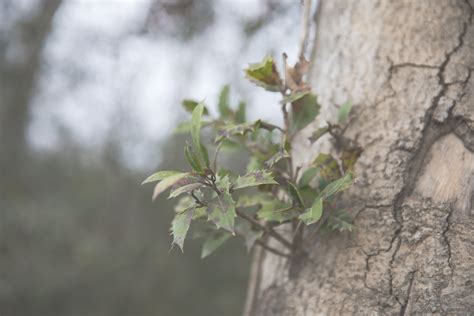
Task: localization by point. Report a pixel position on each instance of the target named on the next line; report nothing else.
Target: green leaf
(229, 145)
(183, 128)
(240, 114)
(254, 178)
(349, 157)
(317, 134)
(231, 130)
(264, 74)
(221, 211)
(294, 97)
(249, 234)
(308, 176)
(281, 154)
(186, 127)
(193, 159)
(340, 221)
(273, 210)
(223, 183)
(344, 111)
(190, 105)
(254, 164)
(167, 183)
(337, 186)
(204, 154)
(183, 204)
(213, 242)
(223, 106)
(329, 167)
(313, 214)
(304, 112)
(246, 201)
(184, 189)
(196, 125)
(295, 194)
(180, 226)
(160, 175)
(308, 194)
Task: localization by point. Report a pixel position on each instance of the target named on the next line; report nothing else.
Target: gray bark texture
(407, 67)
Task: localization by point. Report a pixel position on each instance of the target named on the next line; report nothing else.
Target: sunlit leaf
(344, 111)
(213, 242)
(160, 175)
(254, 178)
(313, 214)
(180, 226)
(264, 74)
(167, 183)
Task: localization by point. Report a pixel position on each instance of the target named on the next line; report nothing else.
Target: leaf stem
(197, 200)
(270, 231)
(271, 127)
(271, 249)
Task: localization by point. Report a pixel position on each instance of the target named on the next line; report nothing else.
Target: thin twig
(271, 127)
(271, 249)
(270, 231)
(197, 200)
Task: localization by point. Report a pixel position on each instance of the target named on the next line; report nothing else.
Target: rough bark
(407, 66)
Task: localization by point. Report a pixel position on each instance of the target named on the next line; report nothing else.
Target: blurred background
(90, 95)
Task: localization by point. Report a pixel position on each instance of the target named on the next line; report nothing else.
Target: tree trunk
(407, 67)
(20, 60)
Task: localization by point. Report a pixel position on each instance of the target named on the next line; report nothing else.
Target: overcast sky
(100, 70)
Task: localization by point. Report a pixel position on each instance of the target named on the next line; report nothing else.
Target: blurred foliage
(82, 238)
(78, 235)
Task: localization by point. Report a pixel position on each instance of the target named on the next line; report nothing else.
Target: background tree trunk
(21, 50)
(407, 67)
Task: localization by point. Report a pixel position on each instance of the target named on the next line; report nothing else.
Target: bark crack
(446, 240)
(431, 132)
(404, 305)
